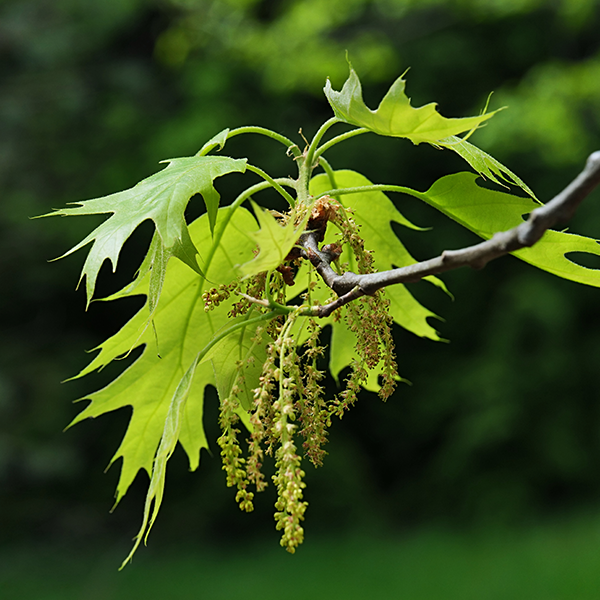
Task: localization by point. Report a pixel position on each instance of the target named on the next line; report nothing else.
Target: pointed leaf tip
(218, 141)
(487, 166)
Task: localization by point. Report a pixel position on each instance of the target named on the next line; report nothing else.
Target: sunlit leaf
(487, 166)
(273, 239)
(183, 328)
(395, 116)
(486, 212)
(161, 198)
(170, 437)
(239, 348)
(375, 213)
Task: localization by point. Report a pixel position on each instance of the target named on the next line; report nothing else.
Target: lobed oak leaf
(486, 212)
(395, 116)
(375, 213)
(161, 198)
(183, 329)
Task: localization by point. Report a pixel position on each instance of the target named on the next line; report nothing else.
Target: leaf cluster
(243, 304)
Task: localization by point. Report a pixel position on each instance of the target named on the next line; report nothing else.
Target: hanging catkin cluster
(290, 415)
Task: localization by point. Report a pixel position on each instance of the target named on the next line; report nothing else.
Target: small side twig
(326, 309)
(251, 299)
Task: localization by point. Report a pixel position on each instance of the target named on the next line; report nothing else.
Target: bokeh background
(480, 480)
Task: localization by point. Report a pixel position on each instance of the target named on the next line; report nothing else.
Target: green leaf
(375, 213)
(170, 437)
(239, 347)
(395, 116)
(161, 198)
(486, 212)
(226, 372)
(183, 329)
(273, 240)
(487, 166)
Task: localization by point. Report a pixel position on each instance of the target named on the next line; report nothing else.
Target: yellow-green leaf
(486, 212)
(240, 347)
(161, 198)
(183, 329)
(375, 213)
(395, 116)
(487, 166)
(170, 437)
(273, 239)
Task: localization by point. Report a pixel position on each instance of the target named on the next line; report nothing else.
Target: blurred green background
(481, 480)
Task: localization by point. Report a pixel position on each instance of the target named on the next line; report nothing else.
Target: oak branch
(351, 286)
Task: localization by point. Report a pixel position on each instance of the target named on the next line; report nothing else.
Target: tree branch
(351, 286)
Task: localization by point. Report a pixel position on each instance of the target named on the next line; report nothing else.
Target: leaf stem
(340, 138)
(306, 162)
(328, 170)
(375, 188)
(275, 183)
(264, 317)
(280, 309)
(310, 153)
(268, 295)
(293, 148)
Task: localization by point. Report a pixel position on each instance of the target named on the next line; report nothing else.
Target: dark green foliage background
(501, 425)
